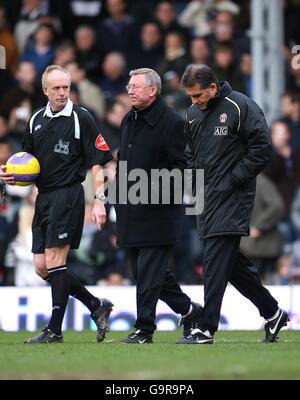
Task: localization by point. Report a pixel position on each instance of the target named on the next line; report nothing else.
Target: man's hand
(99, 214)
(255, 233)
(6, 177)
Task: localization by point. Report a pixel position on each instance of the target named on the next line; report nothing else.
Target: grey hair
(51, 68)
(151, 77)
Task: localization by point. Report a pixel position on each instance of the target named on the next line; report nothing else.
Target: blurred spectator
(89, 93)
(142, 11)
(246, 73)
(81, 261)
(123, 99)
(111, 260)
(225, 66)
(28, 21)
(26, 87)
(16, 105)
(3, 236)
(86, 9)
(117, 32)
(5, 153)
(12, 11)
(114, 78)
(263, 246)
(32, 14)
(224, 31)
(196, 251)
(19, 256)
(41, 50)
(14, 143)
(291, 22)
(6, 79)
(293, 77)
(165, 15)
(199, 51)
(74, 97)
(18, 118)
(74, 94)
(194, 17)
(6, 82)
(290, 107)
(78, 12)
(295, 212)
(174, 94)
(8, 41)
(110, 126)
(64, 53)
(5, 150)
(288, 268)
(97, 257)
(284, 171)
(3, 126)
(150, 50)
(227, 5)
(87, 54)
(176, 57)
(181, 260)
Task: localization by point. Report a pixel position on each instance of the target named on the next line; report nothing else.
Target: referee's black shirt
(66, 144)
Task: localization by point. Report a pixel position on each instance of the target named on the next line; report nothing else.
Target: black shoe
(46, 336)
(101, 316)
(189, 322)
(138, 337)
(197, 337)
(273, 327)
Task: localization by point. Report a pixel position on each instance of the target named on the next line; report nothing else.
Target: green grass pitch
(234, 355)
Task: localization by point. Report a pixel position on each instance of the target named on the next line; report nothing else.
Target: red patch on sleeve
(101, 144)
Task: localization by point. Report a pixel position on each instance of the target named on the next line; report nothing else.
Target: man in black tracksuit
(152, 138)
(227, 137)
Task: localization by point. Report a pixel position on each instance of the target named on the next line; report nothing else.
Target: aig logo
(2, 57)
(221, 131)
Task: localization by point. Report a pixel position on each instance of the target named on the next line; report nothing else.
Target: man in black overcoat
(149, 210)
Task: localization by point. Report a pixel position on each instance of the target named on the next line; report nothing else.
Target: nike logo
(276, 325)
(142, 341)
(190, 122)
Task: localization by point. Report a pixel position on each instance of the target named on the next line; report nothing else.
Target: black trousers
(154, 279)
(223, 263)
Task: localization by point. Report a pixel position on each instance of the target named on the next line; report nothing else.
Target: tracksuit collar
(223, 91)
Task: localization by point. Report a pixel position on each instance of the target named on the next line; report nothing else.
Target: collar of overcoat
(154, 113)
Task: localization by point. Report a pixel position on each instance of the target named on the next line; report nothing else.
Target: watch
(100, 196)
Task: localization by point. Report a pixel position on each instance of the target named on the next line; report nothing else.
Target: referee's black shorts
(58, 218)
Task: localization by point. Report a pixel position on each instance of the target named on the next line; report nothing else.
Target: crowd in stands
(99, 42)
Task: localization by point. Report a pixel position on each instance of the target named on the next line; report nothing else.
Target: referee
(65, 140)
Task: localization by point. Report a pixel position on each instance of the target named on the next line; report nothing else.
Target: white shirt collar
(66, 111)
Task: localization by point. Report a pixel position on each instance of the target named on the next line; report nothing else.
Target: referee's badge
(101, 144)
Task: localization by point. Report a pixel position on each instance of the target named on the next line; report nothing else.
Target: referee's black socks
(60, 288)
(77, 290)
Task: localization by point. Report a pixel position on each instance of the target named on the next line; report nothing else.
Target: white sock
(190, 310)
(275, 315)
(205, 333)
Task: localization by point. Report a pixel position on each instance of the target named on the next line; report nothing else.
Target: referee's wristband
(99, 196)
